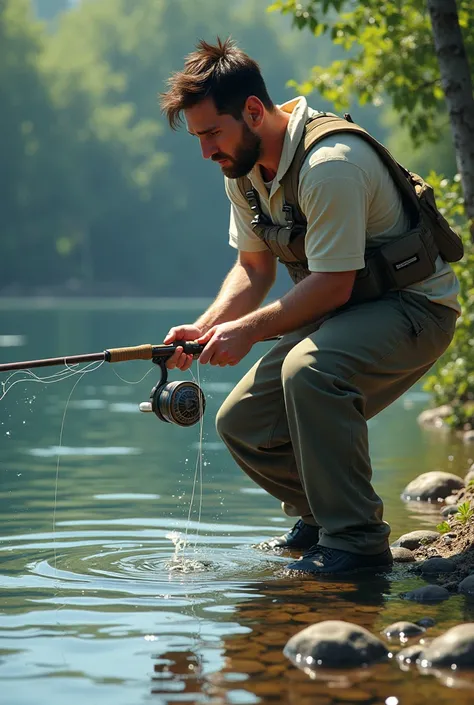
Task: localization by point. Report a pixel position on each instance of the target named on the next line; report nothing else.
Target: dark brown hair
(221, 72)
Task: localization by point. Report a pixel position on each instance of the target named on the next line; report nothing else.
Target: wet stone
(466, 586)
(414, 539)
(334, 644)
(427, 593)
(438, 565)
(454, 647)
(426, 622)
(410, 654)
(432, 486)
(402, 555)
(402, 630)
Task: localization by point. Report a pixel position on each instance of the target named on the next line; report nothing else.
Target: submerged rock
(414, 539)
(453, 648)
(426, 622)
(427, 593)
(334, 644)
(402, 630)
(432, 486)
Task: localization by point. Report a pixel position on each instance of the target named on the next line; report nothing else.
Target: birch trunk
(457, 86)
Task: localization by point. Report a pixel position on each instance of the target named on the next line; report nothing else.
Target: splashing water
(179, 563)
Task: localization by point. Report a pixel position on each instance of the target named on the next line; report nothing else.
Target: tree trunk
(457, 86)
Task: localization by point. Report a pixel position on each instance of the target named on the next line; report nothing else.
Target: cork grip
(139, 352)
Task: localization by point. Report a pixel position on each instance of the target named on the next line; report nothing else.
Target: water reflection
(92, 608)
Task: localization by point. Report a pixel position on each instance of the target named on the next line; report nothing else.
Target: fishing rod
(181, 403)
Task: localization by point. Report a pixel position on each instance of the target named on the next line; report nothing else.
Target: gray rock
(402, 555)
(427, 593)
(451, 500)
(432, 486)
(426, 622)
(414, 539)
(402, 630)
(469, 476)
(438, 565)
(434, 417)
(334, 644)
(449, 509)
(466, 586)
(454, 647)
(468, 436)
(410, 654)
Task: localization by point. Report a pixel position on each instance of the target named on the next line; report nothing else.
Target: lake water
(96, 499)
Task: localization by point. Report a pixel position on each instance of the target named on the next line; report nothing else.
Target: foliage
(389, 52)
(464, 513)
(452, 381)
(443, 528)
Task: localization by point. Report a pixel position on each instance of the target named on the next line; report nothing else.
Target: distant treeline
(98, 196)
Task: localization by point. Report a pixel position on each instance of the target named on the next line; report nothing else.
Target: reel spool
(181, 403)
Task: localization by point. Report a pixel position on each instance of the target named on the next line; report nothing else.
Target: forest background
(98, 196)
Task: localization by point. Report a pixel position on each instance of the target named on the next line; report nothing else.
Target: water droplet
(391, 700)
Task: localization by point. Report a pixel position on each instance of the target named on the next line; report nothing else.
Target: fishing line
(197, 470)
(48, 379)
(81, 373)
(128, 381)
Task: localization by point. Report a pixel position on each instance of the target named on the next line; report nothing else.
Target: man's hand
(179, 359)
(226, 344)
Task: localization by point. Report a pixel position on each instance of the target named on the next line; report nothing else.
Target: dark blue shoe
(321, 560)
(301, 536)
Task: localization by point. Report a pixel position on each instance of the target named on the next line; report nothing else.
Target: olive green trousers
(297, 421)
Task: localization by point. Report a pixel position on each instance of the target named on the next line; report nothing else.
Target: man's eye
(214, 133)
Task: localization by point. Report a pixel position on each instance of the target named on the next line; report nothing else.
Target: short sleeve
(335, 200)
(241, 234)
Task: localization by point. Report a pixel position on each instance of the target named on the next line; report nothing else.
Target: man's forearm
(309, 300)
(242, 291)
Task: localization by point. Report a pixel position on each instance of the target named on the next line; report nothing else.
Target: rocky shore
(444, 557)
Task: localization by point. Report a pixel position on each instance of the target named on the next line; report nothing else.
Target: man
(297, 422)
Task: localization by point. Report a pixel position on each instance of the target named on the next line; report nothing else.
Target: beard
(246, 155)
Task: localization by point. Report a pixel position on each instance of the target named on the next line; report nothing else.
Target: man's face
(224, 139)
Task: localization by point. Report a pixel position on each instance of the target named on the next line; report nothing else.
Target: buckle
(288, 213)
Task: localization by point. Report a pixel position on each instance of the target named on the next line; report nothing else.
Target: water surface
(100, 601)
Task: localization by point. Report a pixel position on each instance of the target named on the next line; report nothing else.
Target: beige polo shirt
(348, 198)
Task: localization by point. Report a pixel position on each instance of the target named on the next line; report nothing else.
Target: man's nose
(208, 149)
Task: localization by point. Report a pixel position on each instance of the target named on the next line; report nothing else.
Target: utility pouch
(409, 259)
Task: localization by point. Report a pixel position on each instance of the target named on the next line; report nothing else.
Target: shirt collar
(299, 112)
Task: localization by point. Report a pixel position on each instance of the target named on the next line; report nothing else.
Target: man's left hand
(226, 344)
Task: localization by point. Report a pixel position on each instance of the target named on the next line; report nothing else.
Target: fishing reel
(181, 403)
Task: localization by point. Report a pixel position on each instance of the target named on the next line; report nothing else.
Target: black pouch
(409, 259)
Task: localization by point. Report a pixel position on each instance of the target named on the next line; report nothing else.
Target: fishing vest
(408, 258)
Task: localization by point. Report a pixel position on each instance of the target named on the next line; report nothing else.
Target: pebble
(334, 644)
(438, 565)
(427, 593)
(414, 539)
